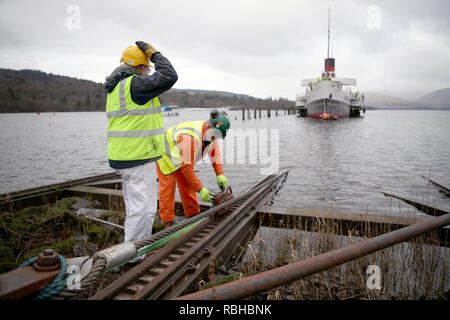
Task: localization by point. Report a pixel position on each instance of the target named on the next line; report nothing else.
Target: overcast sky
(261, 48)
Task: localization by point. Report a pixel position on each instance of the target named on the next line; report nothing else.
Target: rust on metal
(150, 261)
(47, 258)
(190, 268)
(222, 197)
(208, 251)
(40, 268)
(280, 276)
(224, 233)
(175, 269)
(47, 261)
(22, 282)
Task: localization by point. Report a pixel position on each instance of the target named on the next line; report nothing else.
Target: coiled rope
(57, 285)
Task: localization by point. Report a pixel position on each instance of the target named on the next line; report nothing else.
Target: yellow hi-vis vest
(171, 158)
(135, 132)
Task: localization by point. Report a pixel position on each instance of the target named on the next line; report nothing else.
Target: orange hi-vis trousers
(167, 195)
(185, 178)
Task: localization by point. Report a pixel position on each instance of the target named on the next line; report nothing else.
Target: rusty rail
(274, 278)
(175, 269)
(37, 196)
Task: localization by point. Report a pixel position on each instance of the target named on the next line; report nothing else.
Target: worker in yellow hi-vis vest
(136, 132)
(186, 144)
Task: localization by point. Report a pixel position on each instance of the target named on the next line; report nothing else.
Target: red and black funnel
(329, 64)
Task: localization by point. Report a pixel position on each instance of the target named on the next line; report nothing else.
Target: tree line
(37, 91)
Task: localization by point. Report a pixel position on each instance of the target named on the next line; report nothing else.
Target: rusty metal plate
(222, 197)
(22, 282)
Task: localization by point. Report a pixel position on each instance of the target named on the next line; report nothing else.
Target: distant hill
(220, 93)
(378, 100)
(439, 98)
(33, 91)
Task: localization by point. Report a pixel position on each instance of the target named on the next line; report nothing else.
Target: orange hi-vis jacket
(187, 142)
(185, 177)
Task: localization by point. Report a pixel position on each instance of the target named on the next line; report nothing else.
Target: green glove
(147, 48)
(222, 181)
(205, 194)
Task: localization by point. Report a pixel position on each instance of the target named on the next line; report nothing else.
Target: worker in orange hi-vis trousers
(185, 145)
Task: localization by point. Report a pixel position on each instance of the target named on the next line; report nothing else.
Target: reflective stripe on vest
(171, 159)
(135, 131)
(123, 111)
(135, 134)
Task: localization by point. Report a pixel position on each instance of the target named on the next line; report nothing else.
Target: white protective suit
(139, 188)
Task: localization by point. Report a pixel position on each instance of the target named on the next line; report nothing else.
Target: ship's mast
(329, 62)
(328, 51)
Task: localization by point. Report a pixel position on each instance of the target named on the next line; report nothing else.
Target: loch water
(342, 165)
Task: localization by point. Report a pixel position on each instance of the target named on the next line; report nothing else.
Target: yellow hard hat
(133, 56)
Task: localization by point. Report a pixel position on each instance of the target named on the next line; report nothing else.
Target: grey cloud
(257, 47)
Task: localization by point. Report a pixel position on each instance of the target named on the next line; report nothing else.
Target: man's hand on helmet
(146, 48)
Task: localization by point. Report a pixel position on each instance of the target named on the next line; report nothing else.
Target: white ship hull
(328, 108)
(327, 100)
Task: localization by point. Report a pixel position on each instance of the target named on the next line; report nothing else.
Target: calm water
(341, 164)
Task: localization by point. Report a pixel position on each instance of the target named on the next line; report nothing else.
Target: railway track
(37, 196)
(176, 268)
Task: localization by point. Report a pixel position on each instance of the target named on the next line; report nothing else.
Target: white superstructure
(326, 97)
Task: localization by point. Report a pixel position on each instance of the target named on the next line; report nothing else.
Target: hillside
(439, 98)
(382, 101)
(33, 91)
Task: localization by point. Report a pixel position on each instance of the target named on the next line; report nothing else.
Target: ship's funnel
(329, 65)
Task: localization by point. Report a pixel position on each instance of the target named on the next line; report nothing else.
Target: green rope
(156, 245)
(162, 242)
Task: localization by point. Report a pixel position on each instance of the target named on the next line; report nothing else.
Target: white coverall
(139, 188)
